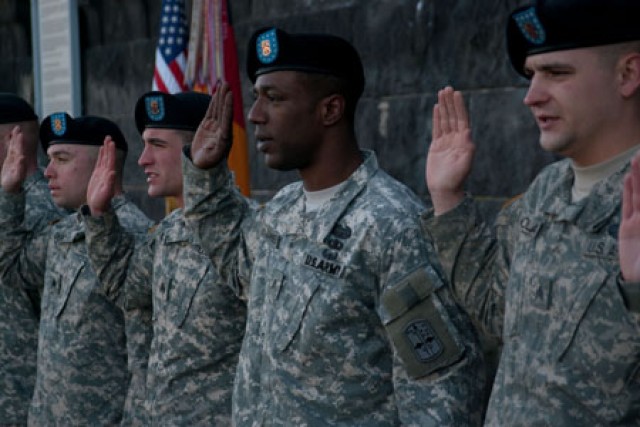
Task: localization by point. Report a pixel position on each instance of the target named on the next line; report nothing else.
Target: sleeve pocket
(413, 317)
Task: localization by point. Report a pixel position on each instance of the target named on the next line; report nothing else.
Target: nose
(256, 113)
(145, 157)
(536, 94)
(49, 170)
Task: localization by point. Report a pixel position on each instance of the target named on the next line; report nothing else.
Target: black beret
(61, 128)
(272, 49)
(183, 111)
(551, 25)
(14, 109)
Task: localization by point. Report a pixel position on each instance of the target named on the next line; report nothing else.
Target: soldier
(20, 311)
(82, 361)
(198, 321)
(348, 321)
(547, 279)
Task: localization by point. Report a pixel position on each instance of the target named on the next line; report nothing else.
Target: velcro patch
(423, 340)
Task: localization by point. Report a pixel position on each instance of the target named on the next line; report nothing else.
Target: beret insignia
(58, 124)
(155, 108)
(530, 26)
(267, 46)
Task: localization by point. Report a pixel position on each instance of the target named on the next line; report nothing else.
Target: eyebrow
(154, 140)
(548, 66)
(59, 152)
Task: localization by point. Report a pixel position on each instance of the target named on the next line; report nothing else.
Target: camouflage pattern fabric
(138, 320)
(348, 324)
(546, 280)
(198, 322)
(20, 315)
(82, 373)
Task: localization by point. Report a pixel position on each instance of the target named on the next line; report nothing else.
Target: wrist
(444, 201)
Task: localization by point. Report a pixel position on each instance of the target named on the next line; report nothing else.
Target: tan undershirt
(588, 176)
(316, 199)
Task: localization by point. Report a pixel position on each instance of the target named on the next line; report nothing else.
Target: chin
(278, 165)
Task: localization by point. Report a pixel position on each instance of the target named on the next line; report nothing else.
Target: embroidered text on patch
(323, 265)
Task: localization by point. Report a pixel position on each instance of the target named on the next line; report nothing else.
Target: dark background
(410, 49)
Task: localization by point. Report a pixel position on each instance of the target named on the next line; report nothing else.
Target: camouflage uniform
(20, 315)
(548, 284)
(82, 376)
(198, 323)
(348, 324)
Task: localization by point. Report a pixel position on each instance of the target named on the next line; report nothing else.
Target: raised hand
(101, 187)
(451, 152)
(14, 168)
(212, 141)
(629, 234)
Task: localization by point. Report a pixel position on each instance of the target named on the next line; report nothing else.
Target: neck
(332, 167)
(612, 141)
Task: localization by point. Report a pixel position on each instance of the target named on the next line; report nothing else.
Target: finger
(110, 153)
(15, 131)
(635, 185)
(445, 125)
(436, 131)
(227, 115)
(100, 161)
(210, 109)
(219, 95)
(16, 143)
(462, 117)
(451, 109)
(627, 204)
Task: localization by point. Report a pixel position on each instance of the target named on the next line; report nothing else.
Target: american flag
(171, 53)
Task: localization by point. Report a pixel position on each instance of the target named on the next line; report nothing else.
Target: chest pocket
(61, 282)
(527, 233)
(182, 276)
(288, 292)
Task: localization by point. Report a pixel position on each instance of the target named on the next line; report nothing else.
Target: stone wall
(410, 49)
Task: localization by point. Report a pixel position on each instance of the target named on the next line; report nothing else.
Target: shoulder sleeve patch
(422, 338)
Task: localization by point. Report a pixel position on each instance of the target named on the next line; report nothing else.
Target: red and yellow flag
(213, 57)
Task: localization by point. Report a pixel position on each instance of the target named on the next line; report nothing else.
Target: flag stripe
(170, 58)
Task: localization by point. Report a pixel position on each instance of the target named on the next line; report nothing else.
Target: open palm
(101, 187)
(629, 234)
(451, 152)
(14, 168)
(212, 141)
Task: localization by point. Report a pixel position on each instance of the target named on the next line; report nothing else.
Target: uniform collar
(325, 218)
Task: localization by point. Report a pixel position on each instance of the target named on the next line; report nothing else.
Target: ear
(629, 74)
(332, 109)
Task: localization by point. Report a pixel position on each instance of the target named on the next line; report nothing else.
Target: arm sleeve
(23, 253)
(476, 260)
(110, 250)
(218, 215)
(438, 367)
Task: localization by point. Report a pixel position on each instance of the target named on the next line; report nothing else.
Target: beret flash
(182, 111)
(272, 49)
(61, 128)
(552, 25)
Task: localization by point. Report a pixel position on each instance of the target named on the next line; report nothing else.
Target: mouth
(151, 176)
(262, 144)
(546, 121)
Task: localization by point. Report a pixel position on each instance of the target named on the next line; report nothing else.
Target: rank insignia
(267, 46)
(58, 124)
(425, 343)
(154, 106)
(530, 26)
